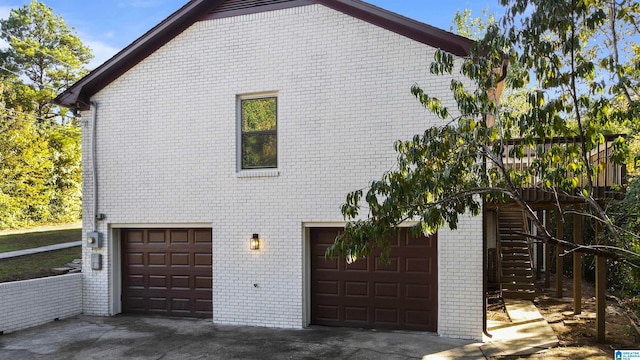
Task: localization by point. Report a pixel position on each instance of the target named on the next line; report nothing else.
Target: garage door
(369, 294)
(167, 272)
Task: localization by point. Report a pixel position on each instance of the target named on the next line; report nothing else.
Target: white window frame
(257, 172)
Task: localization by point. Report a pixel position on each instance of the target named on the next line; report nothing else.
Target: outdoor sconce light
(254, 243)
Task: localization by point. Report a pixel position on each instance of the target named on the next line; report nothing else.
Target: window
(258, 137)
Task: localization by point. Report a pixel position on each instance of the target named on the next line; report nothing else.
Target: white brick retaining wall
(33, 302)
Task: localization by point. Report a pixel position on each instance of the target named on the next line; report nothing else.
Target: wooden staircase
(516, 280)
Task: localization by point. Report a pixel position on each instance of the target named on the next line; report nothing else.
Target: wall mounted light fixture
(254, 243)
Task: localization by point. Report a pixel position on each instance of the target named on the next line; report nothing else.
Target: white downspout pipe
(94, 166)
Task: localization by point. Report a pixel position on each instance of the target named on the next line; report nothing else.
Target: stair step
(516, 253)
(517, 272)
(521, 291)
(510, 294)
(516, 264)
(518, 269)
(513, 239)
(511, 227)
(520, 250)
(508, 261)
(517, 281)
(515, 248)
(517, 278)
(516, 257)
(514, 245)
(519, 287)
(527, 284)
(521, 257)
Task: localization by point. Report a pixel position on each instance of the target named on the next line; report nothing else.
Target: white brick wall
(460, 286)
(167, 151)
(33, 302)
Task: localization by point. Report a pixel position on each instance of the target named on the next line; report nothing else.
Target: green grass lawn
(37, 239)
(36, 265)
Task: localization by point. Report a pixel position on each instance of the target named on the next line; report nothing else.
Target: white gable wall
(167, 133)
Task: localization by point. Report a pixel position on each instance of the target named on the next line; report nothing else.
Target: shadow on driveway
(144, 337)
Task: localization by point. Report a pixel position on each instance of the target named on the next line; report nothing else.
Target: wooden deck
(607, 183)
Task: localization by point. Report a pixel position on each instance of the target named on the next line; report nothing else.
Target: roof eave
(78, 95)
(413, 29)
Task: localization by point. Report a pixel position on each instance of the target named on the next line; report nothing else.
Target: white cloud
(101, 52)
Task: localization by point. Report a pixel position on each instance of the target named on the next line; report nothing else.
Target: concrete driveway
(144, 337)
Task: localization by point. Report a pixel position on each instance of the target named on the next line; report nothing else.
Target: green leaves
(25, 165)
(40, 155)
(434, 171)
(443, 63)
(567, 93)
(433, 104)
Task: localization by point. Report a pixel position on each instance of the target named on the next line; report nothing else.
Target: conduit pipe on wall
(94, 166)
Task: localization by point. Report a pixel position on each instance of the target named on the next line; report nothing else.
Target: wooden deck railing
(608, 176)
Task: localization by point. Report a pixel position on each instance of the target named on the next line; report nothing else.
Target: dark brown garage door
(167, 272)
(369, 294)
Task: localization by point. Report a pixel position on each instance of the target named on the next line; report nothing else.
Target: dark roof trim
(78, 96)
(257, 9)
(418, 31)
(426, 34)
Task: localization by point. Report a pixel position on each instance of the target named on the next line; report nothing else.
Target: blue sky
(108, 26)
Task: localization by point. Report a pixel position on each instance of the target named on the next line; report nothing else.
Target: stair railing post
(577, 263)
(559, 258)
(547, 252)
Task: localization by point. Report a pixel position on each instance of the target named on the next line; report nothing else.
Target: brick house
(238, 117)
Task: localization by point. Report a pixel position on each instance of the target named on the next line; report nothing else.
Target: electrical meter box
(94, 239)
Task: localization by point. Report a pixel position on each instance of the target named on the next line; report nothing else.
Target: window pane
(259, 150)
(258, 114)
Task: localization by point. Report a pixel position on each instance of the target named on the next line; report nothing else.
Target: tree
(24, 167)
(513, 98)
(45, 51)
(573, 90)
(472, 28)
(44, 57)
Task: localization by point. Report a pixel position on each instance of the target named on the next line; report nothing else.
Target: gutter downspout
(94, 166)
